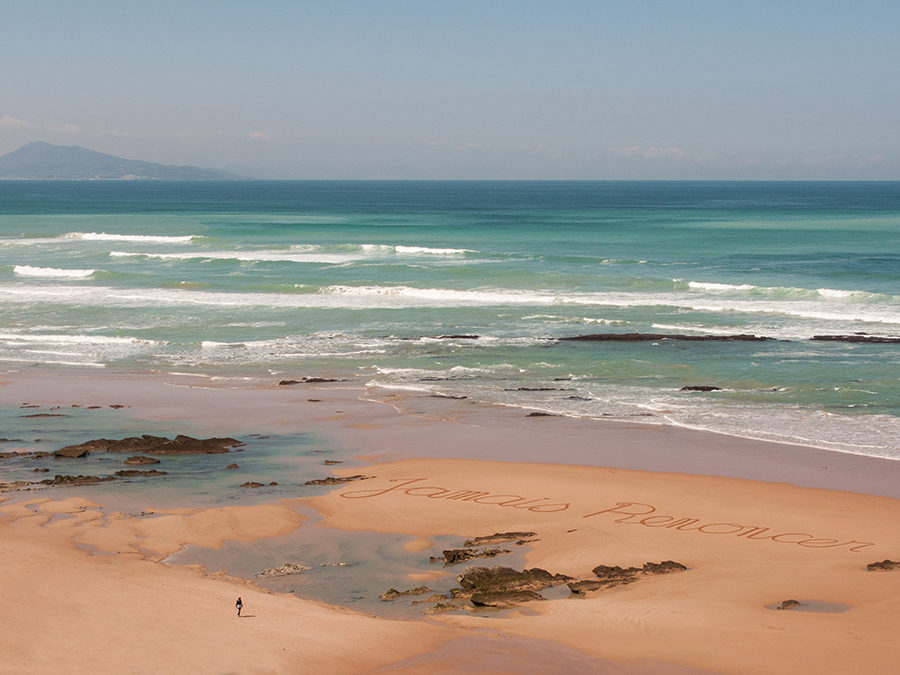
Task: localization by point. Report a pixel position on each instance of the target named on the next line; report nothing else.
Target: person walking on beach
(239, 605)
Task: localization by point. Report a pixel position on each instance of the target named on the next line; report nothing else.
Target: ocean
(466, 289)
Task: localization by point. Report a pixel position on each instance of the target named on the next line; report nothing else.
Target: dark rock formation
(788, 604)
(857, 338)
(504, 599)
(141, 459)
(506, 580)
(333, 461)
(665, 567)
(606, 572)
(45, 415)
(499, 538)
(393, 593)
(884, 565)
(585, 586)
(251, 484)
(455, 556)
(609, 576)
(541, 414)
(335, 480)
(308, 380)
(232, 466)
(153, 445)
(653, 337)
(75, 480)
(700, 387)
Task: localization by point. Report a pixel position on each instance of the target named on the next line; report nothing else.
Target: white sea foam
(46, 338)
(51, 272)
(708, 286)
(137, 238)
(246, 256)
(373, 297)
(424, 250)
(836, 293)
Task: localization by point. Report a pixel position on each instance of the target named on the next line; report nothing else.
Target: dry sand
(87, 591)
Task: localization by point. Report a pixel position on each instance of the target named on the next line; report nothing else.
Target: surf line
(638, 513)
(476, 496)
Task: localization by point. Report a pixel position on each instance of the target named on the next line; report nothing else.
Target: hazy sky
(602, 89)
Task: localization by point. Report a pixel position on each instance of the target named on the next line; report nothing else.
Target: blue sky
(684, 89)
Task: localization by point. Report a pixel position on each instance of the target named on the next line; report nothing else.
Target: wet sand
(755, 523)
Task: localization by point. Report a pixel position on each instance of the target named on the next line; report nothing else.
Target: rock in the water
(141, 459)
(443, 607)
(884, 565)
(308, 380)
(700, 387)
(393, 593)
(283, 570)
(252, 484)
(335, 480)
(59, 479)
(153, 445)
(653, 337)
(232, 466)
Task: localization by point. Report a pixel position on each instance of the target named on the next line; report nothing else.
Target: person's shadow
(247, 616)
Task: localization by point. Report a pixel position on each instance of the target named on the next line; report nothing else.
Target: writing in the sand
(623, 513)
(476, 496)
(638, 513)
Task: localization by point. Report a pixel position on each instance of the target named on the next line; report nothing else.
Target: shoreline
(363, 419)
(755, 523)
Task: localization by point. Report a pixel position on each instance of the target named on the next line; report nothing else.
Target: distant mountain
(44, 161)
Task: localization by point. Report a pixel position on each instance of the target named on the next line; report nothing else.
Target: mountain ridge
(40, 160)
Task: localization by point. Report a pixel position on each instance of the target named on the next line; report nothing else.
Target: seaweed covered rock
(152, 445)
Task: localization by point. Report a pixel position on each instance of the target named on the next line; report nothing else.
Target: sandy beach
(90, 587)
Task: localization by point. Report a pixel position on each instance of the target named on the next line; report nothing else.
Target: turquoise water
(276, 280)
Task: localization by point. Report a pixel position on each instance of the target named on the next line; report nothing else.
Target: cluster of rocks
(504, 587)
(610, 576)
(151, 445)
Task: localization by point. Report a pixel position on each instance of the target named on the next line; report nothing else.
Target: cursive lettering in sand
(638, 513)
(404, 486)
